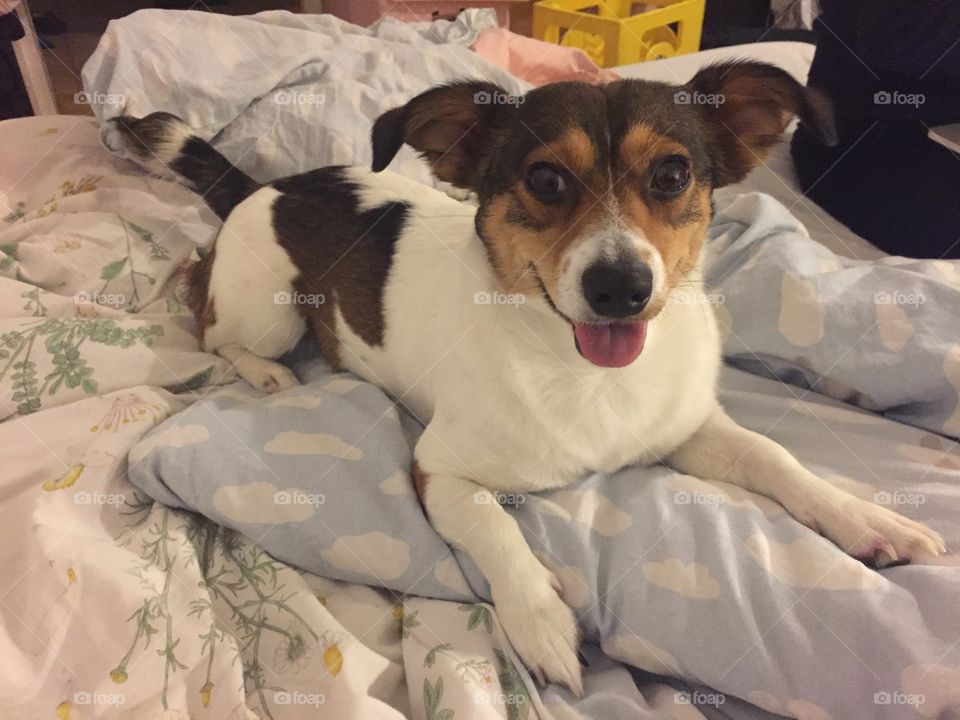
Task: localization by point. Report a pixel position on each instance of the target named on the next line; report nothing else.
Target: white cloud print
(375, 554)
(257, 502)
(298, 443)
(691, 580)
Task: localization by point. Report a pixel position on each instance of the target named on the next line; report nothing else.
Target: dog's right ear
(449, 126)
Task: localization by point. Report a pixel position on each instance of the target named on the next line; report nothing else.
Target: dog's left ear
(747, 106)
(449, 126)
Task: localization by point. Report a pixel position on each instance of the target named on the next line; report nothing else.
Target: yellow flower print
(66, 245)
(63, 710)
(206, 693)
(84, 184)
(65, 480)
(118, 675)
(332, 654)
(398, 612)
(48, 207)
(71, 575)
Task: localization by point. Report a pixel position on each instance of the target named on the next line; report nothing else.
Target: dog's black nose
(617, 289)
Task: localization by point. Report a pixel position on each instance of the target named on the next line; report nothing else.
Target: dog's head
(598, 198)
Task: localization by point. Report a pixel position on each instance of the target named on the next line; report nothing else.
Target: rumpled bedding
(320, 475)
(116, 606)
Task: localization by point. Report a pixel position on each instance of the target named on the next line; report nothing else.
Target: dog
(535, 334)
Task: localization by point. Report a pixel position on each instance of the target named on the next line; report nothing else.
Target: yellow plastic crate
(613, 32)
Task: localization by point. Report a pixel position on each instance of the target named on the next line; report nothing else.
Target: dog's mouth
(612, 345)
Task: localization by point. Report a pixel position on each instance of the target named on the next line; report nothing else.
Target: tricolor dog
(538, 335)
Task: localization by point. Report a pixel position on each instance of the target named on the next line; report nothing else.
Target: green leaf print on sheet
(478, 614)
(432, 695)
(61, 339)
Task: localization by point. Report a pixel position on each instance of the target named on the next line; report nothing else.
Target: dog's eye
(545, 181)
(671, 176)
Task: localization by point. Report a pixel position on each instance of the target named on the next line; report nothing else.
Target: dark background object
(13, 94)
(739, 22)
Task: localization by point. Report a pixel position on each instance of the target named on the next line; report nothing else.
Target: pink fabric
(536, 61)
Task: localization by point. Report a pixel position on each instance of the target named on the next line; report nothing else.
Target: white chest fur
(509, 400)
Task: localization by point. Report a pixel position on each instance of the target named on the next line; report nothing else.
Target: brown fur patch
(515, 247)
(196, 278)
(522, 231)
(420, 480)
(573, 150)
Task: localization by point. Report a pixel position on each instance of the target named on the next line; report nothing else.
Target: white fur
(251, 278)
(511, 406)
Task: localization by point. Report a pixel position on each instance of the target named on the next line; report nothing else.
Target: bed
(171, 551)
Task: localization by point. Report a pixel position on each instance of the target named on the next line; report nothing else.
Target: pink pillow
(536, 61)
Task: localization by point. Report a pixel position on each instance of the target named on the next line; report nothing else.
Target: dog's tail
(166, 146)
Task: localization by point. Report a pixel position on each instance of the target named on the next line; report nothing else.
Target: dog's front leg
(539, 625)
(722, 450)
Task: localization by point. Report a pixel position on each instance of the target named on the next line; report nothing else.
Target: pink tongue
(615, 345)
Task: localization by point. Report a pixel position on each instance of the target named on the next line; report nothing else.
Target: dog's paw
(542, 629)
(876, 535)
(265, 374)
